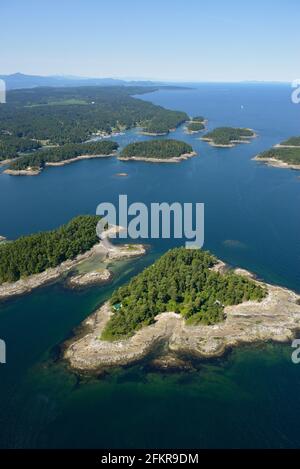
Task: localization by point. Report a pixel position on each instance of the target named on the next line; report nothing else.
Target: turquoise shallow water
(249, 398)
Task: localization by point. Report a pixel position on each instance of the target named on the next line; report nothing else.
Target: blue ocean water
(251, 220)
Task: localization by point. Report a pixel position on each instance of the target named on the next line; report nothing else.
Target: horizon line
(128, 79)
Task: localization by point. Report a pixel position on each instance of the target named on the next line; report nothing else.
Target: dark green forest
(156, 149)
(37, 252)
(181, 281)
(11, 146)
(226, 135)
(293, 141)
(72, 115)
(63, 153)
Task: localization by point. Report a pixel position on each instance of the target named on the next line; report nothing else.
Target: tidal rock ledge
(276, 318)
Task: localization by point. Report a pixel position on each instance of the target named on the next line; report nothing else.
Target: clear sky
(191, 40)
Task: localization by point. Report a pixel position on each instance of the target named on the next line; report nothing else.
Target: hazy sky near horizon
(175, 40)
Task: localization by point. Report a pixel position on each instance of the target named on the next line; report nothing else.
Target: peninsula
(228, 137)
(198, 307)
(290, 143)
(157, 151)
(35, 260)
(49, 117)
(283, 155)
(34, 163)
(163, 123)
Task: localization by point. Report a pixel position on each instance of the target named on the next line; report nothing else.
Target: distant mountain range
(20, 80)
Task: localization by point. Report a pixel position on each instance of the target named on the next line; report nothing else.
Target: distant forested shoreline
(39, 159)
(182, 280)
(59, 116)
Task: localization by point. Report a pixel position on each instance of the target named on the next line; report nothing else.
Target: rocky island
(163, 123)
(157, 151)
(198, 307)
(282, 155)
(228, 137)
(41, 258)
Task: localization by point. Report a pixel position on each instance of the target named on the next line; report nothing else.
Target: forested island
(291, 142)
(195, 125)
(168, 151)
(284, 155)
(182, 281)
(33, 163)
(12, 146)
(227, 137)
(35, 253)
(59, 116)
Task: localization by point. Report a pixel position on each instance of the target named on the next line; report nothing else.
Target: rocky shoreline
(233, 143)
(23, 172)
(37, 171)
(280, 145)
(194, 132)
(7, 161)
(217, 145)
(276, 318)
